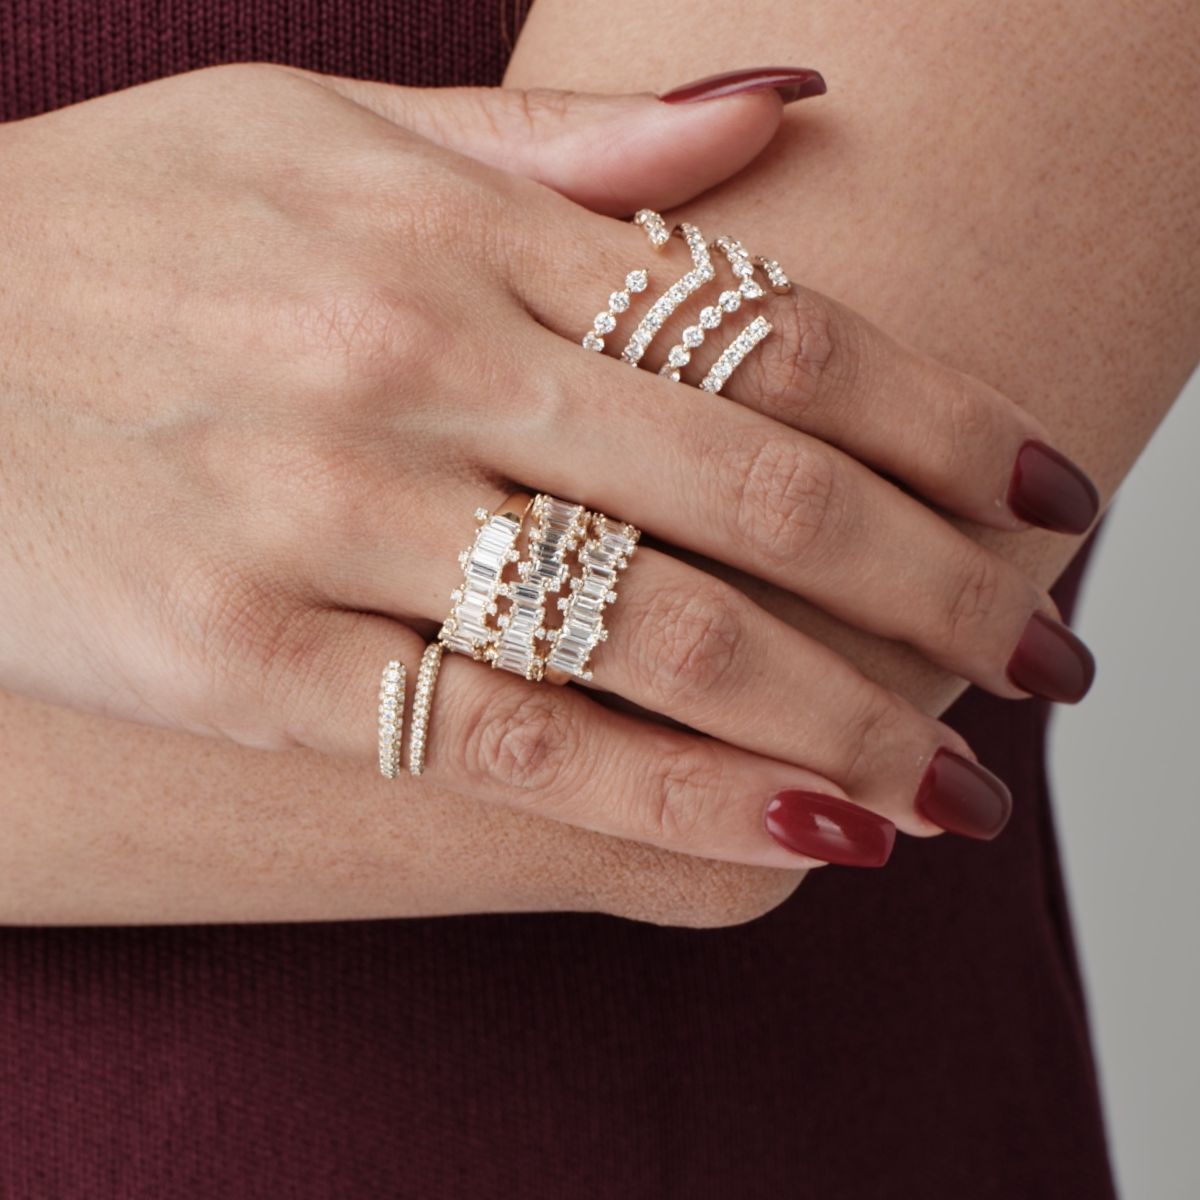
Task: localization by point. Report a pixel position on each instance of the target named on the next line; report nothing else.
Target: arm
(138, 824)
(1012, 189)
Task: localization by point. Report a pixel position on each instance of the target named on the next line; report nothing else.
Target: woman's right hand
(265, 351)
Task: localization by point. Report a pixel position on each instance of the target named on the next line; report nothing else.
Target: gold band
(427, 676)
(391, 718)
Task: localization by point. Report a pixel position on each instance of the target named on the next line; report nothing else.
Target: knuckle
(680, 795)
(532, 108)
(970, 600)
(807, 349)
(872, 735)
(966, 428)
(687, 643)
(356, 334)
(525, 743)
(241, 633)
(784, 499)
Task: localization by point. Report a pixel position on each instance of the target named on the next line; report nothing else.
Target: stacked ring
(504, 621)
(710, 317)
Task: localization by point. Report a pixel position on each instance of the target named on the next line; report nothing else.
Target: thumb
(611, 153)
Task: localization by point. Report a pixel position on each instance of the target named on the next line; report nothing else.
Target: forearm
(1012, 189)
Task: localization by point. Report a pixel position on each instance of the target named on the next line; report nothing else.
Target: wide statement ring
(537, 580)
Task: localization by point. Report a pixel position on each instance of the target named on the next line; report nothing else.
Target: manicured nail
(962, 797)
(1050, 491)
(792, 83)
(1051, 662)
(833, 830)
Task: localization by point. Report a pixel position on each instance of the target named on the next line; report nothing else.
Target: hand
(241, 448)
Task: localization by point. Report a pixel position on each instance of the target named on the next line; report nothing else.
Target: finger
(737, 487)
(688, 646)
(947, 436)
(696, 649)
(612, 154)
(950, 437)
(557, 753)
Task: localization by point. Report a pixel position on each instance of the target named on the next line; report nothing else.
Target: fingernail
(1051, 662)
(1050, 491)
(792, 83)
(833, 830)
(962, 797)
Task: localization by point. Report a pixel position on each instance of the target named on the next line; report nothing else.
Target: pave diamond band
(427, 675)
(702, 272)
(746, 288)
(734, 353)
(391, 718)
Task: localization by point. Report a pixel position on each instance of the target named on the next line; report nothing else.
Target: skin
(134, 855)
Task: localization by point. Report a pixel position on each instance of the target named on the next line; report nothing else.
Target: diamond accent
(734, 353)
(427, 673)
(701, 272)
(654, 225)
(558, 526)
(391, 718)
(602, 557)
(469, 630)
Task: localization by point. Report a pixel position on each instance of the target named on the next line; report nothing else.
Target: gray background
(1126, 765)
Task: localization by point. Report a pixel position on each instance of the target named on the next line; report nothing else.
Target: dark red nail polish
(792, 83)
(1051, 662)
(962, 797)
(833, 830)
(1050, 491)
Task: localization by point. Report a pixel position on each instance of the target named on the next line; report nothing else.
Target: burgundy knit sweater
(912, 1034)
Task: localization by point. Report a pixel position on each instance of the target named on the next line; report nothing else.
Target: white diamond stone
(636, 281)
(693, 335)
(750, 289)
(605, 322)
(710, 317)
(679, 356)
(591, 341)
(618, 302)
(730, 301)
